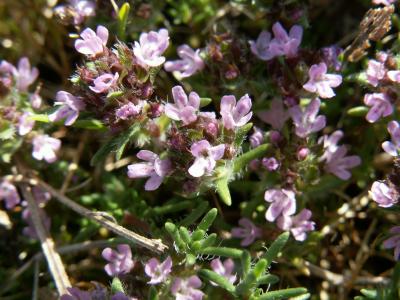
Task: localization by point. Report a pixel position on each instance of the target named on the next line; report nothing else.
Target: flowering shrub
(199, 150)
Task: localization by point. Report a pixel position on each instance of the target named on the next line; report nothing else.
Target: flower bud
(302, 153)
(270, 163)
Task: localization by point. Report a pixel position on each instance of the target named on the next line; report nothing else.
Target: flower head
(248, 232)
(260, 47)
(9, 193)
(69, 108)
(380, 106)
(205, 157)
(392, 147)
(184, 109)
(45, 147)
(24, 75)
(224, 269)
(283, 202)
(298, 225)
(189, 64)
(320, 82)
(92, 43)
(120, 260)
(129, 110)
(383, 195)
(158, 272)
(83, 9)
(337, 163)
(284, 43)
(154, 167)
(276, 116)
(104, 83)
(376, 71)
(394, 241)
(187, 289)
(148, 51)
(235, 114)
(307, 121)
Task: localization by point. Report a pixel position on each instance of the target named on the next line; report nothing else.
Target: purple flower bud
(104, 83)
(36, 100)
(307, 121)
(283, 202)
(248, 232)
(184, 109)
(189, 64)
(224, 269)
(257, 138)
(120, 261)
(380, 106)
(376, 71)
(302, 153)
(92, 43)
(154, 167)
(235, 114)
(25, 123)
(320, 82)
(383, 195)
(158, 272)
(271, 163)
(129, 110)
(392, 147)
(298, 225)
(187, 289)
(9, 193)
(394, 241)
(45, 147)
(148, 51)
(69, 108)
(276, 116)
(275, 137)
(24, 75)
(205, 157)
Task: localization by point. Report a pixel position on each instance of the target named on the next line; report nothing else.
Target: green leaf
(185, 235)
(195, 214)
(275, 248)
(40, 118)
(282, 294)
(221, 281)
(153, 294)
(209, 241)
(245, 259)
(7, 131)
(370, 294)
(208, 219)
(222, 251)
(116, 286)
(114, 94)
(205, 101)
(242, 161)
(221, 185)
(267, 279)
(92, 124)
(123, 15)
(174, 233)
(198, 234)
(241, 133)
(358, 111)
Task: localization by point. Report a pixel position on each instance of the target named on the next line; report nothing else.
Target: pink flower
(189, 64)
(276, 116)
(284, 44)
(320, 82)
(235, 114)
(154, 167)
(83, 9)
(92, 43)
(129, 110)
(338, 163)
(6, 73)
(257, 138)
(9, 193)
(394, 76)
(380, 106)
(205, 157)
(148, 51)
(307, 121)
(383, 195)
(24, 75)
(248, 232)
(120, 261)
(271, 163)
(394, 242)
(35, 100)
(224, 269)
(69, 108)
(283, 202)
(260, 47)
(45, 147)
(376, 71)
(330, 143)
(184, 109)
(187, 289)
(25, 123)
(104, 83)
(384, 2)
(298, 225)
(158, 272)
(392, 147)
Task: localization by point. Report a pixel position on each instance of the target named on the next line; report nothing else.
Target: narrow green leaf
(195, 214)
(222, 251)
(275, 248)
(209, 241)
(114, 94)
(242, 161)
(241, 133)
(222, 188)
(123, 15)
(221, 281)
(267, 279)
(190, 259)
(40, 118)
(205, 101)
(92, 124)
(245, 259)
(358, 111)
(174, 233)
(172, 207)
(153, 294)
(208, 219)
(185, 235)
(116, 286)
(282, 294)
(198, 234)
(260, 267)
